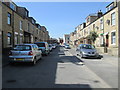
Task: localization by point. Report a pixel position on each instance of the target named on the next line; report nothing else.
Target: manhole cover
(96, 81)
(61, 67)
(11, 81)
(61, 53)
(60, 61)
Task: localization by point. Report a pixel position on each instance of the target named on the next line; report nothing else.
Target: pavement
(113, 60)
(106, 68)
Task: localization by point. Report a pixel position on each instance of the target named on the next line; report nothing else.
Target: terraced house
(107, 27)
(18, 27)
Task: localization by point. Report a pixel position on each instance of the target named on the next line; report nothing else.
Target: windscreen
(87, 47)
(40, 44)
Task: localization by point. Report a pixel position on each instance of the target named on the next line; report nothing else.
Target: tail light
(30, 53)
(10, 53)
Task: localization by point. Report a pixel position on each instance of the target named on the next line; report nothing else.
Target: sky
(62, 17)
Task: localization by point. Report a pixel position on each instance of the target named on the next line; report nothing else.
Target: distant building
(60, 40)
(66, 38)
(53, 40)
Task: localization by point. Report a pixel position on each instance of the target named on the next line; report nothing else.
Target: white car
(50, 47)
(25, 53)
(53, 46)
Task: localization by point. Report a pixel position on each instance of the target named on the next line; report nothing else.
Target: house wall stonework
(23, 29)
(105, 42)
(0, 34)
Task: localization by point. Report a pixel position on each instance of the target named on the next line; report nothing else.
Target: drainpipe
(118, 28)
(13, 29)
(105, 48)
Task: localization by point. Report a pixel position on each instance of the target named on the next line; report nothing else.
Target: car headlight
(96, 52)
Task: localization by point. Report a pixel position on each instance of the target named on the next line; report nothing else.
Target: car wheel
(40, 57)
(49, 52)
(77, 54)
(34, 61)
(12, 63)
(46, 54)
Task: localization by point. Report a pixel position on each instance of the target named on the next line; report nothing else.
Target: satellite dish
(97, 27)
(108, 21)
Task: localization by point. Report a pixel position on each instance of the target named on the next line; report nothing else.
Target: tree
(92, 36)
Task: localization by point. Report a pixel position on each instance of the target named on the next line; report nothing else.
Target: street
(61, 69)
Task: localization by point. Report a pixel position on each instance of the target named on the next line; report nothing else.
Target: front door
(107, 40)
(107, 44)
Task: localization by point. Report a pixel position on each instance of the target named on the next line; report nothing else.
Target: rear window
(40, 44)
(22, 47)
(67, 45)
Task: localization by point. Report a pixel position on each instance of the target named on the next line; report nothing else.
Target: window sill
(21, 29)
(9, 45)
(113, 44)
(112, 25)
(9, 25)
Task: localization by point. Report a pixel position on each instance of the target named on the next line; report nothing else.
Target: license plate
(19, 59)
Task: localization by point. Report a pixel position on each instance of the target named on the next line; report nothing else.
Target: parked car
(86, 50)
(50, 47)
(64, 44)
(67, 46)
(25, 53)
(53, 46)
(44, 47)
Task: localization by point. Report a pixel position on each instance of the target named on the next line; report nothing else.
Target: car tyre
(12, 63)
(40, 57)
(46, 54)
(34, 61)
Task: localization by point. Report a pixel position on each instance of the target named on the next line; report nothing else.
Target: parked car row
(30, 52)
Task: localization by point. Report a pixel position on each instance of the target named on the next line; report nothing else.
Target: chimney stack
(100, 14)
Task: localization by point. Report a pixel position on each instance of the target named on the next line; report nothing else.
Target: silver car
(25, 53)
(86, 50)
(67, 46)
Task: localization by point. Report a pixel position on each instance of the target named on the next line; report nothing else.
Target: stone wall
(111, 51)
